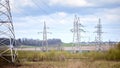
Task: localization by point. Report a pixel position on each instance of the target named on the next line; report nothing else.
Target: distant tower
(98, 37)
(77, 29)
(7, 35)
(45, 42)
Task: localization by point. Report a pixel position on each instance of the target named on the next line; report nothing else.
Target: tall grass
(48, 56)
(112, 54)
(42, 56)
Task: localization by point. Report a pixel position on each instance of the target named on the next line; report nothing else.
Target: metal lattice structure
(7, 35)
(99, 36)
(45, 42)
(77, 30)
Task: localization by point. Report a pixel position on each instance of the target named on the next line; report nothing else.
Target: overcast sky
(29, 15)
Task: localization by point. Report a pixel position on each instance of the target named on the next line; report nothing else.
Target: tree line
(30, 42)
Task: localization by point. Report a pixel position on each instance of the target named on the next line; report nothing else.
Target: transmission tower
(45, 42)
(7, 35)
(98, 37)
(77, 30)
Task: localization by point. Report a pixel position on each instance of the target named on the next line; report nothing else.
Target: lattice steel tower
(77, 30)
(98, 36)
(7, 35)
(45, 42)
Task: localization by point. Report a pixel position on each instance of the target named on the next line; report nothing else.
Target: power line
(43, 8)
(45, 4)
(40, 7)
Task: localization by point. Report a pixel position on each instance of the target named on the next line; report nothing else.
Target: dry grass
(71, 63)
(62, 59)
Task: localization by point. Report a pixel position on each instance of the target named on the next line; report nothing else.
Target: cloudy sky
(29, 15)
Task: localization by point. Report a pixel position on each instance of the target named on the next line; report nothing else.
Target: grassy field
(67, 44)
(71, 63)
(63, 59)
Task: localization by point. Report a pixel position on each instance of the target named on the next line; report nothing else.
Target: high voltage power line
(43, 9)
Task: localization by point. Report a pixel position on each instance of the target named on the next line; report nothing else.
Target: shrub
(112, 54)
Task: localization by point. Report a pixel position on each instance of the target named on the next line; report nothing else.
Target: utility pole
(7, 34)
(77, 30)
(45, 41)
(99, 35)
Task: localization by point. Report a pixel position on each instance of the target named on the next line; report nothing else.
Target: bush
(112, 54)
(118, 46)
